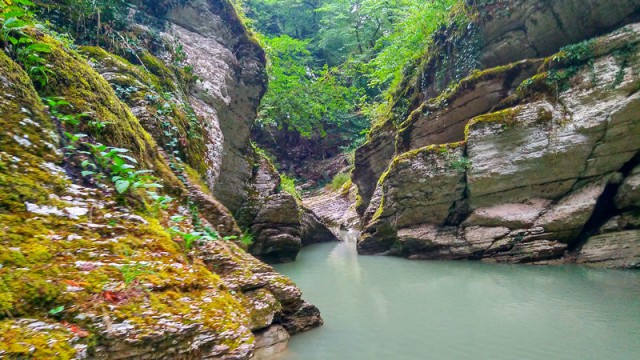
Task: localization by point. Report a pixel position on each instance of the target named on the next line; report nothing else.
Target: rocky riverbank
(533, 158)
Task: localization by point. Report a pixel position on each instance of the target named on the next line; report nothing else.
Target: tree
(332, 58)
(300, 98)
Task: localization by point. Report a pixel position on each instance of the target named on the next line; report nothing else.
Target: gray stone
(270, 342)
(619, 250)
(628, 195)
(565, 220)
(513, 216)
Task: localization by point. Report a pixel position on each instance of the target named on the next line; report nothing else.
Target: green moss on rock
(24, 339)
(506, 118)
(160, 70)
(75, 80)
(50, 259)
(29, 144)
(168, 117)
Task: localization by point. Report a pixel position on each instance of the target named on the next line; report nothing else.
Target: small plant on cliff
(190, 239)
(130, 272)
(199, 235)
(160, 202)
(575, 57)
(122, 169)
(16, 18)
(101, 161)
(339, 180)
(288, 185)
(461, 164)
(57, 104)
(247, 239)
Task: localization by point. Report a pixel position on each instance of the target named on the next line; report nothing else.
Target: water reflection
(385, 308)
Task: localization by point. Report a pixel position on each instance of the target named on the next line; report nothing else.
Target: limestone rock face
(230, 69)
(519, 163)
(230, 66)
(371, 161)
(279, 223)
(539, 28)
(507, 37)
(314, 230)
(336, 208)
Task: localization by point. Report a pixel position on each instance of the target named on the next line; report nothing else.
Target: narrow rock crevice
(605, 208)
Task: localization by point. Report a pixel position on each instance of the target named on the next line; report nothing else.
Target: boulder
(279, 222)
(620, 250)
(270, 342)
(566, 220)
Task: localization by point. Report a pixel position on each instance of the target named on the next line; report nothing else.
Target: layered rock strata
(502, 32)
(525, 162)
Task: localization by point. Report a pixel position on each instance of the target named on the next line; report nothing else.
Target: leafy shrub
(339, 180)
(247, 239)
(17, 18)
(288, 185)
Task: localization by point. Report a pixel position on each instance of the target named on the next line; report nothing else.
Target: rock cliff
(531, 158)
(98, 261)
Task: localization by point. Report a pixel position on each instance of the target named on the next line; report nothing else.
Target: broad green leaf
(122, 186)
(56, 310)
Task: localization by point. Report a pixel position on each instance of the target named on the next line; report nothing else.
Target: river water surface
(381, 308)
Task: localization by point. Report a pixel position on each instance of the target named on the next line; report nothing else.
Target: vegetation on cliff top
(332, 62)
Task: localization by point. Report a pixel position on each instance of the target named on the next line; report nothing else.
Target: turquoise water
(379, 308)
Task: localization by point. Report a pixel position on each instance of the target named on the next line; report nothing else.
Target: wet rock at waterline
(280, 224)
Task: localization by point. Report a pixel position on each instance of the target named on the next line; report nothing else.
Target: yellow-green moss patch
(507, 117)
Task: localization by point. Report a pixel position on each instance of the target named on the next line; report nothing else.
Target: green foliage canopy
(331, 61)
(301, 98)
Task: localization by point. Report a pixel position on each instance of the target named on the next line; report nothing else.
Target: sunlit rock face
(527, 161)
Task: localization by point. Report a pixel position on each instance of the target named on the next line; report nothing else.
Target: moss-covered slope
(92, 269)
